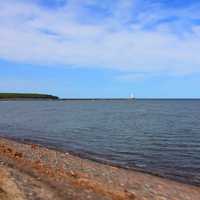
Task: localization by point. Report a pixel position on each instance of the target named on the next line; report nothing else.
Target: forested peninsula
(16, 96)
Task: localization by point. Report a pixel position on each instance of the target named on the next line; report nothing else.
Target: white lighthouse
(131, 96)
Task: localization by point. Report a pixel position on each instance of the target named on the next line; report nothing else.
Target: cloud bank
(129, 35)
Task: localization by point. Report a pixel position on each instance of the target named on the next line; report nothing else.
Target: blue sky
(107, 48)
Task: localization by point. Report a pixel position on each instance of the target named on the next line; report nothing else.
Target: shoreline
(79, 178)
(100, 161)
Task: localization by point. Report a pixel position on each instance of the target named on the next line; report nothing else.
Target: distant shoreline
(26, 96)
(40, 96)
(95, 99)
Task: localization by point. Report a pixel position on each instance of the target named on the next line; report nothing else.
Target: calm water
(157, 136)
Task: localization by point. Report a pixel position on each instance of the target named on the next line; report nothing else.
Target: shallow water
(157, 136)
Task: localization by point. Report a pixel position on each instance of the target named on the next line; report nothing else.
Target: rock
(18, 155)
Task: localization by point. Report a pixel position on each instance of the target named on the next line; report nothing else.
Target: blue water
(158, 136)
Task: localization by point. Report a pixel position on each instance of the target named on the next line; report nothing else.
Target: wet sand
(29, 171)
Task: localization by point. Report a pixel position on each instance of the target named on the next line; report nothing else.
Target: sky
(101, 48)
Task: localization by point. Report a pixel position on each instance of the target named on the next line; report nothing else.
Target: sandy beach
(29, 171)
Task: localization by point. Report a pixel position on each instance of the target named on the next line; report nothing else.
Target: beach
(30, 171)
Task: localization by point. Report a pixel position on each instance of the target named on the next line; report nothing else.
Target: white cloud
(69, 36)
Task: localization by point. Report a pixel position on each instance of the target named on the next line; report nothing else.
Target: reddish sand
(34, 172)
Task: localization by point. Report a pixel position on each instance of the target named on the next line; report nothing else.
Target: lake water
(157, 136)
